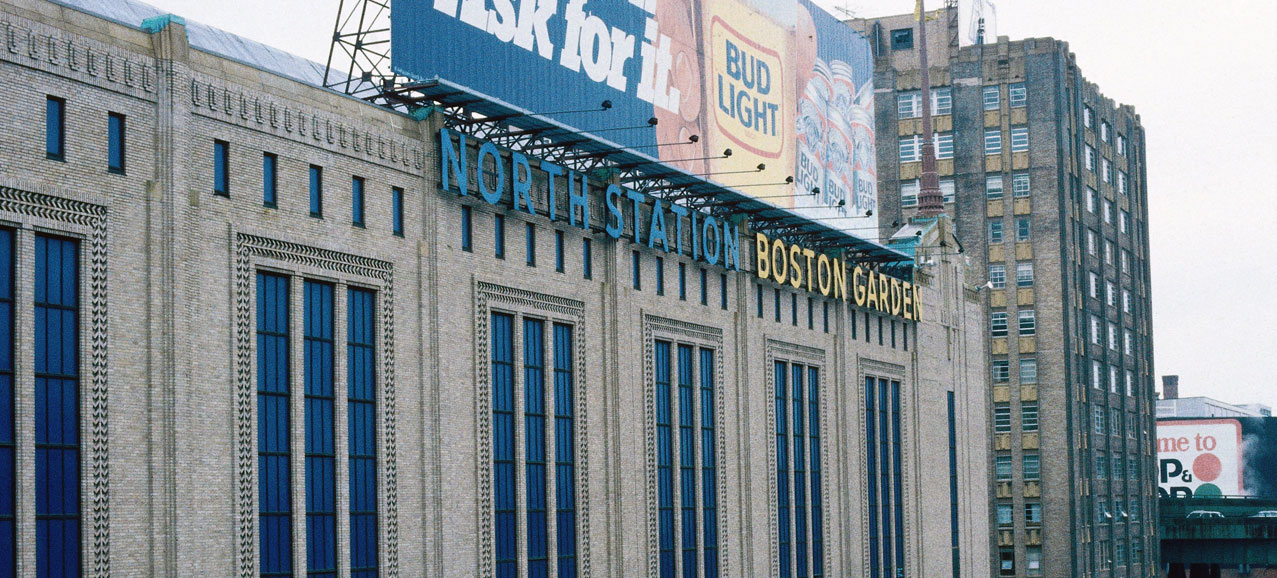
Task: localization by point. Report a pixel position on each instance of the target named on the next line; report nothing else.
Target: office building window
(1090, 157)
(998, 276)
(1024, 274)
(270, 180)
(361, 419)
(1094, 285)
(558, 251)
(1126, 262)
(636, 271)
(1088, 116)
(530, 244)
(1112, 336)
(467, 229)
(660, 276)
(357, 201)
(221, 168)
(1113, 379)
(705, 287)
(587, 258)
(998, 323)
(908, 104)
(321, 456)
(1004, 515)
(498, 235)
(942, 101)
(1020, 184)
(991, 96)
(1001, 418)
(1124, 222)
(995, 230)
(1123, 185)
(1033, 560)
(274, 481)
(1032, 467)
(539, 397)
(1097, 375)
(1096, 329)
(115, 143)
(993, 187)
(1092, 200)
(944, 145)
(910, 149)
(1002, 468)
(902, 39)
(1104, 131)
(947, 190)
(1001, 371)
(1092, 246)
(884, 478)
(992, 141)
(1028, 323)
(1019, 139)
(1106, 172)
(677, 424)
(909, 193)
(1108, 253)
(1127, 345)
(1029, 416)
(1115, 427)
(1121, 145)
(1032, 514)
(1023, 229)
(316, 191)
(1108, 212)
(1017, 95)
(396, 211)
(1097, 420)
(1101, 468)
(55, 128)
(1028, 371)
(1110, 294)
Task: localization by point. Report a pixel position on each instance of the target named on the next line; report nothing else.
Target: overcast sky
(1197, 72)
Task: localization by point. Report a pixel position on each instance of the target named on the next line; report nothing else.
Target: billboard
(1212, 457)
(781, 83)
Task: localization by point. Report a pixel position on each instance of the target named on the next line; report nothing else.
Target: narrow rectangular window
(991, 97)
(799, 456)
(636, 270)
(687, 459)
(776, 303)
(55, 128)
(498, 235)
(704, 287)
(897, 477)
(361, 418)
(825, 315)
(221, 168)
(953, 486)
(558, 251)
(853, 322)
(682, 281)
(871, 474)
(758, 299)
(270, 180)
(467, 228)
(504, 477)
(534, 457)
(274, 479)
(396, 211)
(722, 291)
(530, 244)
(357, 201)
(321, 455)
(316, 191)
(793, 309)
(8, 445)
(811, 313)
(709, 466)
(660, 276)
(587, 258)
(785, 546)
(866, 327)
(664, 459)
(880, 327)
(115, 143)
(564, 451)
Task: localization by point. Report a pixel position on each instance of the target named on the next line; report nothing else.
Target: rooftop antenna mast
(930, 199)
(359, 56)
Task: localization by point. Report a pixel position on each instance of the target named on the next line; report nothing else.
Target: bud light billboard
(1212, 457)
(781, 83)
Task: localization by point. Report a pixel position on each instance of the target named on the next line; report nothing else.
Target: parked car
(1265, 514)
(1204, 514)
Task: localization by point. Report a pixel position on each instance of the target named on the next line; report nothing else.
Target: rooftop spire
(930, 199)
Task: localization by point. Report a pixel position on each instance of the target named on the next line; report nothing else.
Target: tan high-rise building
(1045, 177)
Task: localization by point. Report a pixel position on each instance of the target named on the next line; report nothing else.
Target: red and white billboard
(1200, 458)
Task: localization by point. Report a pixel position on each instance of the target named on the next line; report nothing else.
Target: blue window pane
(587, 258)
(884, 473)
(498, 233)
(817, 506)
(800, 473)
(316, 191)
(321, 467)
(503, 446)
(709, 468)
(8, 542)
(270, 179)
(687, 459)
(682, 281)
(221, 168)
(785, 546)
(55, 128)
(664, 460)
(530, 244)
(467, 237)
(534, 447)
(565, 451)
(361, 419)
(897, 478)
(871, 473)
(115, 142)
(558, 251)
(396, 211)
(636, 270)
(704, 287)
(57, 419)
(273, 477)
(357, 201)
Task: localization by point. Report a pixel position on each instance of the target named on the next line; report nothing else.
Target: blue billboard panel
(781, 83)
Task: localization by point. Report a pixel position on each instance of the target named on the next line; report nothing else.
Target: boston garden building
(250, 326)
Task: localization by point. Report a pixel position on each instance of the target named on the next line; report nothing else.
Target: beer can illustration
(838, 163)
(844, 87)
(811, 127)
